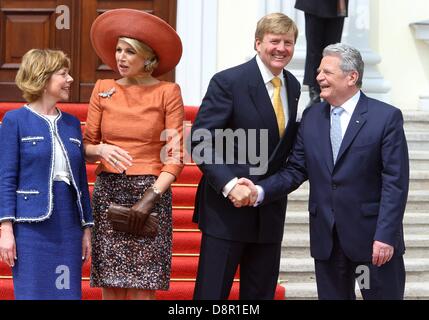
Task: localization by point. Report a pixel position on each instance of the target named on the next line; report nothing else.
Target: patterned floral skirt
(122, 260)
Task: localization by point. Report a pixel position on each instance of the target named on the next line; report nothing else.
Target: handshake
(243, 194)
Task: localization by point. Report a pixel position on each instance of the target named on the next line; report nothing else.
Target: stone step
(408, 229)
(296, 245)
(416, 120)
(419, 160)
(304, 252)
(418, 200)
(295, 270)
(296, 252)
(418, 290)
(419, 179)
(300, 291)
(414, 222)
(418, 140)
(410, 218)
(308, 291)
(416, 228)
(300, 240)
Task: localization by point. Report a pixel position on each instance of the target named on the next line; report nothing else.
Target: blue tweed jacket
(27, 165)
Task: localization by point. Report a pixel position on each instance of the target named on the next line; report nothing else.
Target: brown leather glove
(150, 228)
(140, 211)
(119, 217)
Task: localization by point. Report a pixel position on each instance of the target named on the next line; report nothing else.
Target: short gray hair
(351, 59)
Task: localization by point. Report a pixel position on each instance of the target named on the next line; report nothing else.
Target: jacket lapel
(261, 100)
(356, 123)
(292, 99)
(292, 95)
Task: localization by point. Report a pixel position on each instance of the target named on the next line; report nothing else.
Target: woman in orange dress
(126, 122)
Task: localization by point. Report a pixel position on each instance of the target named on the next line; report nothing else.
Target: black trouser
(319, 33)
(219, 259)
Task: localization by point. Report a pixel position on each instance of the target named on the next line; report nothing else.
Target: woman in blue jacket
(45, 213)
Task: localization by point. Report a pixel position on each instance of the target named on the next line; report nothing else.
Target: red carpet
(186, 236)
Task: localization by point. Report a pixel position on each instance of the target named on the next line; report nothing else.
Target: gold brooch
(107, 94)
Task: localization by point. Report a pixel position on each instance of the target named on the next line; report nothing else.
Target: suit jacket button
(334, 187)
(25, 198)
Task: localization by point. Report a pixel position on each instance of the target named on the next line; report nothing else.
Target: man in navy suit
(240, 100)
(353, 151)
(324, 20)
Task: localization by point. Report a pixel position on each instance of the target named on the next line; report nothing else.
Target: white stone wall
(236, 31)
(404, 59)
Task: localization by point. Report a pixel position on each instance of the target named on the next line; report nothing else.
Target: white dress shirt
(349, 106)
(267, 76)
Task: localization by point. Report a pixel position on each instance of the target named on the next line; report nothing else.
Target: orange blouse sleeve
(172, 153)
(92, 133)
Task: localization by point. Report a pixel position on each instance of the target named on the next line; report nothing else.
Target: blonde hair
(36, 69)
(276, 23)
(144, 51)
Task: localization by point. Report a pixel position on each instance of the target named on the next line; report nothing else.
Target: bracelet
(156, 190)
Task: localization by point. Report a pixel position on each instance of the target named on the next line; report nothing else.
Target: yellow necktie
(278, 106)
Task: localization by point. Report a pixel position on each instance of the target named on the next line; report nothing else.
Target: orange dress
(133, 118)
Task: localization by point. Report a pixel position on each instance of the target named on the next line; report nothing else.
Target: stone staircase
(297, 266)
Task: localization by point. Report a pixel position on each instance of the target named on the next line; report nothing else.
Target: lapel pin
(357, 121)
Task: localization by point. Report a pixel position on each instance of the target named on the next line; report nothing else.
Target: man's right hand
(244, 193)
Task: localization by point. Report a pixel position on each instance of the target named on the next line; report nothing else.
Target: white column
(197, 27)
(356, 33)
(421, 32)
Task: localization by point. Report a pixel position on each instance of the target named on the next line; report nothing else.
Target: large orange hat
(147, 28)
